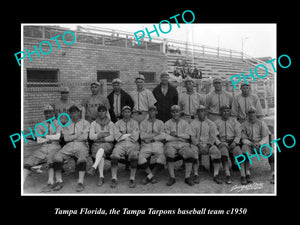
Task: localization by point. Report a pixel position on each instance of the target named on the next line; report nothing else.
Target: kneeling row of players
(220, 140)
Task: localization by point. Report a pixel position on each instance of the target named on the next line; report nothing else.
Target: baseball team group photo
(161, 117)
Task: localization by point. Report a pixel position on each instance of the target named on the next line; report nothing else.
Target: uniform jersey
(62, 107)
(181, 128)
(152, 128)
(214, 101)
(203, 132)
(41, 130)
(189, 103)
(228, 130)
(80, 128)
(127, 127)
(91, 105)
(97, 128)
(255, 131)
(241, 105)
(142, 100)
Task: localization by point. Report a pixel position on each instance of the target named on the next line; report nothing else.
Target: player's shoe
(79, 187)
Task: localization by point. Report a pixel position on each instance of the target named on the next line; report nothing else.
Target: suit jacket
(164, 102)
(125, 100)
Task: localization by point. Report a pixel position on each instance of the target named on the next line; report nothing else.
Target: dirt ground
(261, 176)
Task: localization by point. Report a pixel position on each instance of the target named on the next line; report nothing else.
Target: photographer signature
(253, 186)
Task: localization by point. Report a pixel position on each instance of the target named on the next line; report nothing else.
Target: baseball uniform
(178, 145)
(105, 126)
(142, 101)
(189, 104)
(214, 101)
(75, 135)
(242, 104)
(127, 135)
(91, 105)
(152, 129)
(49, 145)
(204, 133)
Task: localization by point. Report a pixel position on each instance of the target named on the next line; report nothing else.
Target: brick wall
(78, 64)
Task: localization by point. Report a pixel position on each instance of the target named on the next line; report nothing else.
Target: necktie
(190, 104)
(138, 101)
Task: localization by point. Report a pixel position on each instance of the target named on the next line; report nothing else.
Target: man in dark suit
(118, 98)
(166, 96)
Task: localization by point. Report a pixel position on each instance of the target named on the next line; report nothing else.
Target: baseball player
(102, 135)
(243, 102)
(127, 135)
(190, 101)
(177, 137)
(255, 133)
(152, 133)
(216, 98)
(49, 146)
(63, 104)
(142, 98)
(228, 138)
(92, 103)
(75, 136)
(203, 138)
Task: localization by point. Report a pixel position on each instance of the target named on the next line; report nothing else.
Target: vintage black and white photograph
(148, 108)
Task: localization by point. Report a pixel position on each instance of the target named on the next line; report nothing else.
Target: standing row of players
(166, 125)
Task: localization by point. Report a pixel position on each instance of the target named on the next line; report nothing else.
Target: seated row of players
(161, 140)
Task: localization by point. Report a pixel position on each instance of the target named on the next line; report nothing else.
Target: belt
(216, 114)
(150, 141)
(140, 112)
(191, 116)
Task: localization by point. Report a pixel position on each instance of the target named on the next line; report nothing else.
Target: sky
(259, 39)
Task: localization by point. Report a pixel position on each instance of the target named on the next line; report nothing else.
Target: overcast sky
(259, 39)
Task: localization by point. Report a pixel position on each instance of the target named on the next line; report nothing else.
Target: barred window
(149, 76)
(42, 77)
(109, 75)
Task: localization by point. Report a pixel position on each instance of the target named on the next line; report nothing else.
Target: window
(149, 76)
(42, 77)
(108, 75)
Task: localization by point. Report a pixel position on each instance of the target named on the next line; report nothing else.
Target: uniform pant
(172, 148)
(247, 148)
(107, 147)
(123, 148)
(44, 154)
(213, 151)
(79, 150)
(156, 149)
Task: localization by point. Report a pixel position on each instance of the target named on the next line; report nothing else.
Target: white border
(138, 194)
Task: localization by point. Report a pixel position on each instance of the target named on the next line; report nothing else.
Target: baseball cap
(116, 80)
(243, 84)
(48, 108)
(102, 108)
(217, 79)
(74, 108)
(126, 107)
(188, 80)
(95, 82)
(164, 74)
(175, 108)
(140, 77)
